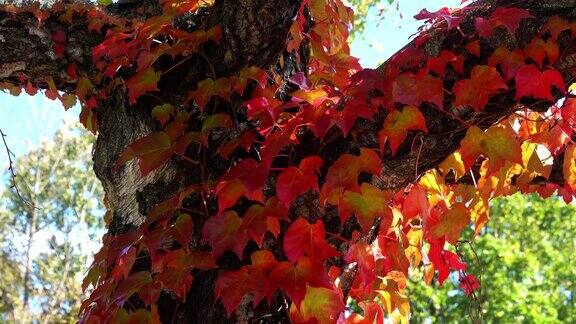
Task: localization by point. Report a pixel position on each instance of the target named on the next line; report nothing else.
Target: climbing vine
(271, 136)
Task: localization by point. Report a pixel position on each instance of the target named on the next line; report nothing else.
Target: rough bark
(27, 49)
(255, 33)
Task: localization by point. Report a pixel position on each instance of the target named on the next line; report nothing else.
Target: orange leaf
(343, 174)
(141, 82)
(539, 49)
(569, 166)
(475, 92)
(367, 206)
(510, 62)
(208, 88)
(451, 223)
(398, 123)
(499, 144)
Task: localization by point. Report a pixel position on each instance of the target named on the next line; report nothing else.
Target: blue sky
(28, 120)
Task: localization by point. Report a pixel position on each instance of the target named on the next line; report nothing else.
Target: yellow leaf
(451, 223)
(454, 163)
(569, 165)
(322, 304)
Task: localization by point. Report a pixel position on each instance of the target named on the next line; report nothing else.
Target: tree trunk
(255, 32)
(131, 197)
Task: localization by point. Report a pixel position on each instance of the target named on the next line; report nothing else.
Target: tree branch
(447, 128)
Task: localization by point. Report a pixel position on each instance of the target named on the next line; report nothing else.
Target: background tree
(48, 229)
(524, 257)
(361, 9)
(248, 158)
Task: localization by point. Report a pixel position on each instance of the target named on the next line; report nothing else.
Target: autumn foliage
(376, 233)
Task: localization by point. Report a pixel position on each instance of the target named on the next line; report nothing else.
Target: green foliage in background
(361, 8)
(526, 262)
(46, 231)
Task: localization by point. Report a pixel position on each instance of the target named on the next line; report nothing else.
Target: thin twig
(11, 155)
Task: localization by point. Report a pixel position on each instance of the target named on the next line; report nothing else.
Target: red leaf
(179, 264)
(475, 92)
(352, 110)
(363, 255)
(294, 279)
(413, 90)
(530, 82)
(303, 238)
(469, 284)
(394, 254)
(438, 64)
(398, 123)
(508, 17)
(152, 151)
(416, 204)
(445, 13)
(232, 286)
(257, 218)
(372, 313)
(251, 173)
(295, 181)
(222, 232)
(443, 261)
(474, 48)
(124, 264)
(230, 191)
(59, 38)
(244, 141)
(130, 285)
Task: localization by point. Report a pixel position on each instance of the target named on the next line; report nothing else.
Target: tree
(56, 196)
(524, 256)
(247, 158)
